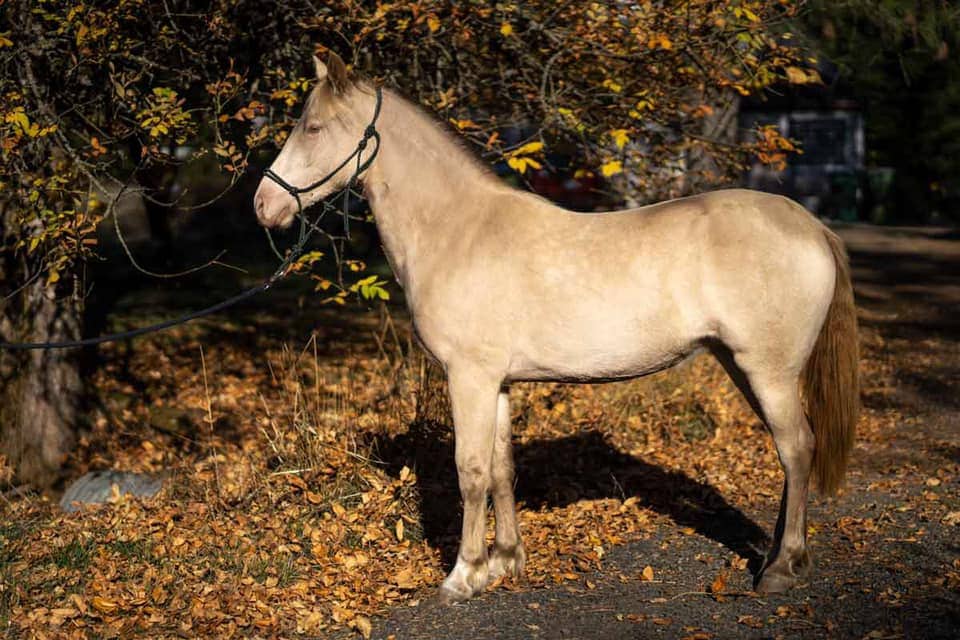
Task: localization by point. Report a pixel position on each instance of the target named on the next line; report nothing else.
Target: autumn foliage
(96, 93)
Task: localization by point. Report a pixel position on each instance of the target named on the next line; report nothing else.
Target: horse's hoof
(776, 582)
(507, 562)
(465, 581)
(784, 573)
(448, 597)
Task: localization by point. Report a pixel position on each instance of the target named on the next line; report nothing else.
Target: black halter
(369, 132)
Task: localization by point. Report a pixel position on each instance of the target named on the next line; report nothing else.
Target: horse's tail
(831, 379)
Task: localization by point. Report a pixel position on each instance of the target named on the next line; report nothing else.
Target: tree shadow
(556, 472)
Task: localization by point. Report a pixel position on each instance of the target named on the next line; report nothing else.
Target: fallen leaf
(750, 621)
(719, 583)
(363, 625)
(103, 605)
(404, 579)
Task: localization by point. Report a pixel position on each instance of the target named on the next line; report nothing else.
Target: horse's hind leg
(775, 396)
(508, 555)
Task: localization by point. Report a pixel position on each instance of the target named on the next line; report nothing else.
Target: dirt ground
(886, 552)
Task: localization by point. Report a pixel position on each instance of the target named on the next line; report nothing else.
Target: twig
(209, 421)
(732, 594)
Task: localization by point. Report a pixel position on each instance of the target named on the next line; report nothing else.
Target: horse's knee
(502, 476)
(474, 479)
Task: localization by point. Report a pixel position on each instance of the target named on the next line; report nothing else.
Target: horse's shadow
(560, 471)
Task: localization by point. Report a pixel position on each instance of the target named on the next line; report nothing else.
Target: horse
(504, 286)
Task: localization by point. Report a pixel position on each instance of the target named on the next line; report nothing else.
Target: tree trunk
(40, 391)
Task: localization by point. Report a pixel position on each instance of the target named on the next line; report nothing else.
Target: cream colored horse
(505, 286)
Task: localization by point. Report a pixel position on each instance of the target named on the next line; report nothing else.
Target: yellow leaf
(647, 574)
(433, 22)
(506, 29)
(611, 168)
(21, 119)
(796, 75)
(398, 529)
(619, 137)
(530, 147)
(517, 164)
(616, 87)
(5, 42)
(520, 164)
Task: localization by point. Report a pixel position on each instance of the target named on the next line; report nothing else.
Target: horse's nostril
(258, 204)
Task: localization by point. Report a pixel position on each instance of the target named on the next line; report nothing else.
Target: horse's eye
(314, 128)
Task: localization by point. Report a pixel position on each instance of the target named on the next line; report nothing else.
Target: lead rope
(307, 229)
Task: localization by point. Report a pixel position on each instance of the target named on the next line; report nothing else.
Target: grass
(138, 550)
(73, 556)
(282, 567)
(10, 535)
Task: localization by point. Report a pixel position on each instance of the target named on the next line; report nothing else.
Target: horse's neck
(423, 188)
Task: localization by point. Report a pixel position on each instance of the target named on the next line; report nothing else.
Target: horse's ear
(333, 71)
(322, 71)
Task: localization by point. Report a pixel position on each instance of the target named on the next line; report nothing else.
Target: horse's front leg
(508, 555)
(473, 397)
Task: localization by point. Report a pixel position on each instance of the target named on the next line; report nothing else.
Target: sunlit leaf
(611, 168)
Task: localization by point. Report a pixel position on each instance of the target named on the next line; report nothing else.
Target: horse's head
(337, 111)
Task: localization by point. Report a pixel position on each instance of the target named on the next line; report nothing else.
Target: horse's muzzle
(274, 206)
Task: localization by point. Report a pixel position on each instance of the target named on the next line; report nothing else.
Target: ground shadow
(560, 471)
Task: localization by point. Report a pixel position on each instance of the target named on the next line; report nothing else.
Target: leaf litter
(303, 486)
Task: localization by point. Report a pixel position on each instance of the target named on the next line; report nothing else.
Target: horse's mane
(440, 133)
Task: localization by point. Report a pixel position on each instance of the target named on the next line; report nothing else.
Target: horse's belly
(598, 354)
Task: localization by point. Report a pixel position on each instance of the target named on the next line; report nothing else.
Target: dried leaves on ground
(310, 486)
